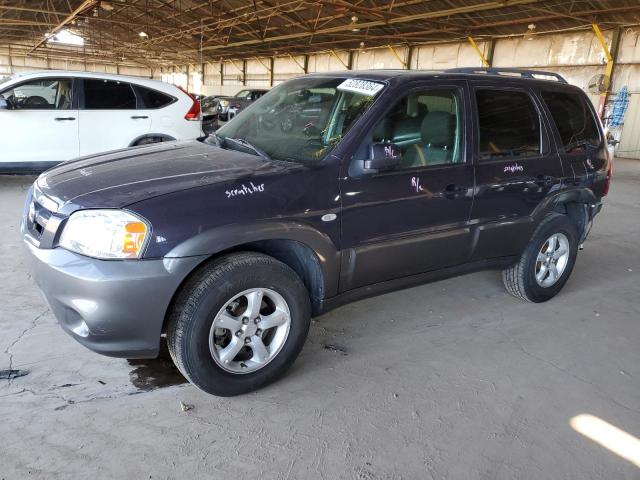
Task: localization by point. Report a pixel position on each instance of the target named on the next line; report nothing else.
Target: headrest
(438, 129)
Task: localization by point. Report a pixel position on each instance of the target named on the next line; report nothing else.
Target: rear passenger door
(109, 119)
(516, 167)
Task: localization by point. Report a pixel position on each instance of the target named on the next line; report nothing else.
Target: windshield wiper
(244, 143)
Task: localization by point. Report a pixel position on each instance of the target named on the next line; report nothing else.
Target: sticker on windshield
(365, 87)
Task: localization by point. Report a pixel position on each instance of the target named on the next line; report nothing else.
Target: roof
(385, 75)
(104, 76)
(196, 31)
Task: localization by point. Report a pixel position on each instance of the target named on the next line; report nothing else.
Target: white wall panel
(377, 58)
(629, 146)
(285, 68)
(447, 55)
(327, 62)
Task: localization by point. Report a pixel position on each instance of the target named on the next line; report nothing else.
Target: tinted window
(108, 95)
(153, 98)
(426, 126)
(42, 94)
(574, 119)
(509, 124)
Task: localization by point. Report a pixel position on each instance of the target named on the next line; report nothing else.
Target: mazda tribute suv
(392, 179)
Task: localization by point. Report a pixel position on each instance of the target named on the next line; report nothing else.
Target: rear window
(574, 120)
(108, 95)
(152, 98)
(509, 124)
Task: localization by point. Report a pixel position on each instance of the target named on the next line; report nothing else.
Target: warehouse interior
(213, 48)
(453, 379)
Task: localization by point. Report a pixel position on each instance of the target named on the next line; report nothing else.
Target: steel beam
(87, 4)
(611, 54)
(485, 61)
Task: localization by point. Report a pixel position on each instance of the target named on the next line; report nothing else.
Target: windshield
(4, 80)
(301, 120)
(242, 94)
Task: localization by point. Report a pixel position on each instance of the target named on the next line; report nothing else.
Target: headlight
(105, 234)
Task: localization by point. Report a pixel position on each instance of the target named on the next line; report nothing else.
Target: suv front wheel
(547, 262)
(238, 323)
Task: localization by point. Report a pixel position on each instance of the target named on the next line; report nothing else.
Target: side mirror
(382, 156)
(4, 105)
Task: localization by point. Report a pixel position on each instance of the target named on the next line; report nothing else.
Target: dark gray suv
(395, 178)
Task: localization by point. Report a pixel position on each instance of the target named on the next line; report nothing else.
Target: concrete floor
(452, 380)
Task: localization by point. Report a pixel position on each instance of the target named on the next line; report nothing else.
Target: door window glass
(574, 119)
(426, 126)
(108, 95)
(509, 124)
(42, 94)
(153, 98)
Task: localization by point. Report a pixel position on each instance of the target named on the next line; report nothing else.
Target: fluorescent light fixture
(66, 37)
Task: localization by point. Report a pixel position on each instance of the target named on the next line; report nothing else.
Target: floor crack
(34, 324)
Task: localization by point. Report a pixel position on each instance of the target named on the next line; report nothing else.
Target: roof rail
(509, 71)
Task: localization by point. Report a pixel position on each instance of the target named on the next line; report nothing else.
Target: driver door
(414, 217)
(41, 127)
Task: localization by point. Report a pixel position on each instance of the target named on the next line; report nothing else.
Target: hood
(120, 178)
(235, 100)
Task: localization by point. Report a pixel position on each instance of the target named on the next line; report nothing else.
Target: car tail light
(609, 174)
(194, 112)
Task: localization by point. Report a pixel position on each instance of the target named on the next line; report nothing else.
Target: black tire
(520, 280)
(150, 140)
(202, 297)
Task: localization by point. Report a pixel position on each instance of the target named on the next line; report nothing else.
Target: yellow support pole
(610, 64)
(473, 43)
(395, 52)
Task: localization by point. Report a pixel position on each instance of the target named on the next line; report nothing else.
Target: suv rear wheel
(547, 262)
(238, 324)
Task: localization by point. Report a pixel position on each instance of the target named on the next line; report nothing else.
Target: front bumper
(116, 308)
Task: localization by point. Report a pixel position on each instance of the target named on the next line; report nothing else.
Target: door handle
(453, 191)
(136, 117)
(545, 180)
(60, 119)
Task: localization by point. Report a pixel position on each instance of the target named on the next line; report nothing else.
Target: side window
(152, 98)
(108, 95)
(509, 124)
(574, 119)
(42, 94)
(426, 126)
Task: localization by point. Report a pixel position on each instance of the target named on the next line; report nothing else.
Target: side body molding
(226, 237)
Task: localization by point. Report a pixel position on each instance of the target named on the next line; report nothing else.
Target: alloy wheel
(250, 330)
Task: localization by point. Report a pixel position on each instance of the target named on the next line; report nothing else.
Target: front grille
(37, 218)
(40, 224)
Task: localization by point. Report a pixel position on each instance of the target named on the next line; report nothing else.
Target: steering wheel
(36, 101)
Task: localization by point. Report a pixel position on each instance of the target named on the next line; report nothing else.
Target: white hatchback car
(52, 116)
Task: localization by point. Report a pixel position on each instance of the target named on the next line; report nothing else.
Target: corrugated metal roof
(191, 31)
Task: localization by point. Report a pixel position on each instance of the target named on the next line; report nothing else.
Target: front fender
(226, 237)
